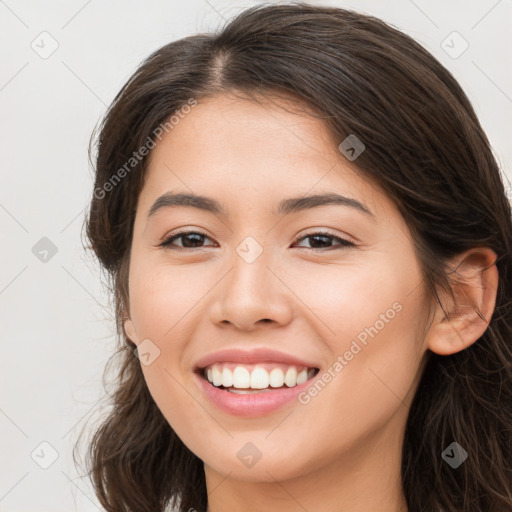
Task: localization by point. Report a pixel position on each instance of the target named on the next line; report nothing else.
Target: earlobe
(474, 280)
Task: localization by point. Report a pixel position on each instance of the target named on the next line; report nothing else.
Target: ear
(474, 279)
(129, 329)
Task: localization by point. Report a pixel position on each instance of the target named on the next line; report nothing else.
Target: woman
(310, 245)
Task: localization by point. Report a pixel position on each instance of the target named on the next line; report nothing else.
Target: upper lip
(253, 356)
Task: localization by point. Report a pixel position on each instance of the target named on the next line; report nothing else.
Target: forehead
(273, 128)
(236, 148)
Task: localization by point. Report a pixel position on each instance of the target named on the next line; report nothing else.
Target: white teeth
(259, 378)
(276, 378)
(290, 379)
(217, 377)
(243, 380)
(227, 377)
(302, 376)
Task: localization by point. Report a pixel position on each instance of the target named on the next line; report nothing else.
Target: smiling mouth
(256, 378)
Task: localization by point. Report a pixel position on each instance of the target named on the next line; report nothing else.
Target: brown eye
(320, 240)
(190, 240)
(194, 239)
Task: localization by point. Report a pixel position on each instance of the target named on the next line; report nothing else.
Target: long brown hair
(424, 146)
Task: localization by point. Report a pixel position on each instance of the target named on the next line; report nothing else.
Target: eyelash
(343, 242)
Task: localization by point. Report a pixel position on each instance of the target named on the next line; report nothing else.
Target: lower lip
(254, 404)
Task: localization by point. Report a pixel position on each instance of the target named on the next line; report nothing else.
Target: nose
(252, 294)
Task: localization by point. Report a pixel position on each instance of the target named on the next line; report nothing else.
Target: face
(334, 287)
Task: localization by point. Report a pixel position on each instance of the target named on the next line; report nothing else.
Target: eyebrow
(285, 207)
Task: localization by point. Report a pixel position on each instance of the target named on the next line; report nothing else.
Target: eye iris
(316, 237)
(197, 238)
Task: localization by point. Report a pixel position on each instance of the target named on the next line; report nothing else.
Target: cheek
(370, 322)
(161, 298)
(348, 297)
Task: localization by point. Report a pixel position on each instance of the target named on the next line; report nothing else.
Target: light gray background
(57, 329)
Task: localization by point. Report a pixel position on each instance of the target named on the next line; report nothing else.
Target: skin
(342, 450)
